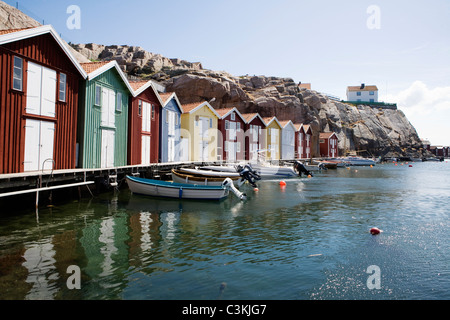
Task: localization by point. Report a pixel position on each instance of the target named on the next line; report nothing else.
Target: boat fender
(375, 231)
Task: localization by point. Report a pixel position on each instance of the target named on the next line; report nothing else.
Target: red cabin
(143, 124)
(254, 135)
(39, 84)
(232, 135)
(328, 142)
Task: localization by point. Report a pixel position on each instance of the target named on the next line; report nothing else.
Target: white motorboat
(353, 161)
(192, 178)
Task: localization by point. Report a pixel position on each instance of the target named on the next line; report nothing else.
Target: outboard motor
(248, 174)
(300, 168)
(228, 183)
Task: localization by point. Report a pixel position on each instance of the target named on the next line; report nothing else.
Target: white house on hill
(362, 93)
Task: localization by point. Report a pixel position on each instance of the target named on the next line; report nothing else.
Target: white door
(107, 154)
(41, 90)
(145, 157)
(108, 108)
(146, 116)
(39, 142)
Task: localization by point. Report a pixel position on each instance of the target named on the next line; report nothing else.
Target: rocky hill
(378, 132)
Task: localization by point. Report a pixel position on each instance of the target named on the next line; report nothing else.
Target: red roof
(90, 67)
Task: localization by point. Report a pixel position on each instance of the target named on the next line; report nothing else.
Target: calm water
(307, 241)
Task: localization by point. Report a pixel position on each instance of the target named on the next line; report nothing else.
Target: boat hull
(165, 189)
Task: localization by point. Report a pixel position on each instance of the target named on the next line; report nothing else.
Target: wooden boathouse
(143, 123)
(39, 83)
(103, 116)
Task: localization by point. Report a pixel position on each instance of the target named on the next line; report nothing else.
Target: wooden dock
(94, 180)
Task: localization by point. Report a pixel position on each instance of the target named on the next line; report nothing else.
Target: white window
(372, 93)
(227, 124)
(140, 107)
(233, 116)
(98, 95)
(119, 101)
(62, 87)
(358, 93)
(18, 74)
(210, 123)
(238, 126)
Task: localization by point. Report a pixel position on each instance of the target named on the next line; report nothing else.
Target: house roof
(140, 86)
(307, 128)
(167, 96)
(90, 67)
(94, 69)
(326, 135)
(248, 117)
(12, 35)
(366, 88)
(286, 123)
(192, 107)
(226, 111)
(269, 120)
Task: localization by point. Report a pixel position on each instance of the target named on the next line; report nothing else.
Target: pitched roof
(326, 135)
(90, 67)
(7, 31)
(165, 96)
(366, 88)
(284, 123)
(269, 120)
(12, 35)
(190, 107)
(94, 69)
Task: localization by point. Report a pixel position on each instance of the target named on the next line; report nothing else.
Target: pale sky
(403, 47)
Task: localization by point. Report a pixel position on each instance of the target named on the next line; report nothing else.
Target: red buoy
(282, 183)
(375, 231)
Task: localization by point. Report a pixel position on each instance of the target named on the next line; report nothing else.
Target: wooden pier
(93, 180)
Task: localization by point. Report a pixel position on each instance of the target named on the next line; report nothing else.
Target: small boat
(354, 161)
(204, 172)
(327, 164)
(169, 189)
(265, 171)
(192, 178)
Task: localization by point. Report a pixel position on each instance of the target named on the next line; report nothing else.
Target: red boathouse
(39, 84)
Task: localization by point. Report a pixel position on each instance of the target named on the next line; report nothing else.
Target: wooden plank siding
(89, 122)
(135, 118)
(44, 51)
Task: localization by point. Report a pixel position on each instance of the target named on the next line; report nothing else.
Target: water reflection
(300, 239)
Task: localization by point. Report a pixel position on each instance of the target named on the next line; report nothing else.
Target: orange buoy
(309, 176)
(255, 189)
(282, 183)
(375, 231)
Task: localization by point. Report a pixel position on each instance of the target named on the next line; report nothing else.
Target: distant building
(362, 93)
(328, 144)
(305, 85)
